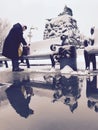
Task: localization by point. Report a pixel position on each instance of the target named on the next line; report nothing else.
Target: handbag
(26, 50)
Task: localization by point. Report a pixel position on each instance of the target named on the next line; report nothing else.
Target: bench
(67, 59)
(26, 58)
(34, 57)
(65, 55)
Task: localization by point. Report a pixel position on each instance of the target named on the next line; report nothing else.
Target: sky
(35, 12)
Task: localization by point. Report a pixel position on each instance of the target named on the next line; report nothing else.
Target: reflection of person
(12, 43)
(92, 93)
(19, 95)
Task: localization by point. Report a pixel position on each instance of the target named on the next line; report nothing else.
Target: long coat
(12, 42)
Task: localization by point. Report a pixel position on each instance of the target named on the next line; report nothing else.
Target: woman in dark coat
(12, 43)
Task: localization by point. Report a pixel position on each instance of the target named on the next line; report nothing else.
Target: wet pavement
(43, 101)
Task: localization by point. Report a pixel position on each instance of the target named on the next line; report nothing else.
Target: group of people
(15, 38)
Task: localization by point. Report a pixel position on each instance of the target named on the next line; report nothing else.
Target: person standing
(89, 45)
(92, 40)
(86, 55)
(12, 43)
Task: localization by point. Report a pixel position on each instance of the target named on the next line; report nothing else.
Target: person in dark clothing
(12, 43)
(89, 58)
(64, 39)
(92, 32)
(86, 55)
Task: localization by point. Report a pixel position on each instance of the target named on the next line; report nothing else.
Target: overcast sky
(34, 12)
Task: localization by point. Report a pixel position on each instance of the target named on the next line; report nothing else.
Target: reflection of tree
(92, 93)
(19, 95)
(67, 88)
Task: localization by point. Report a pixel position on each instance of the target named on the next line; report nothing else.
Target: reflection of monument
(92, 93)
(68, 89)
(19, 95)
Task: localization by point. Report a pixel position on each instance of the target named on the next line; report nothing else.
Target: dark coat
(12, 42)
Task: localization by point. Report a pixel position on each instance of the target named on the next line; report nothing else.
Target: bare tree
(4, 28)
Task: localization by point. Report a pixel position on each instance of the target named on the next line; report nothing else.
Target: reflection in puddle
(67, 89)
(92, 93)
(44, 102)
(19, 95)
